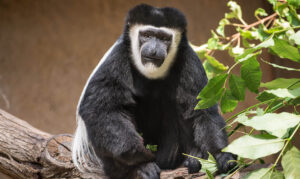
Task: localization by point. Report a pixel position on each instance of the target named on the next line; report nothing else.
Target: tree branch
(27, 152)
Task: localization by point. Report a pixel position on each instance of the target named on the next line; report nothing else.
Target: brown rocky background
(49, 48)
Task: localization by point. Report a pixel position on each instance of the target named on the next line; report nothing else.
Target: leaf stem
(237, 35)
(247, 109)
(286, 144)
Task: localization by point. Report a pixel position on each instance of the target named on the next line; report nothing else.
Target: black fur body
(123, 110)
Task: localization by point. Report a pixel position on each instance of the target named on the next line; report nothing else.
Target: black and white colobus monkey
(147, 84)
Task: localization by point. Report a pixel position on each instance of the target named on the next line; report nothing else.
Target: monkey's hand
(224, 163)
(136, 155)
(148, 171)
(193, 164)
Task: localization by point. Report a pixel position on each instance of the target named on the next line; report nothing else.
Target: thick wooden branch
(26, 152)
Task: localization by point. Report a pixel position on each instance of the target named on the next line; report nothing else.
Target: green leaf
(295, 37)
(200, 50)
(236, 11)
(209, 175)
(292, 16)
(237, 86)
(262, 33)
(285, 93)
(215, 63)
(295, 3)
(269, 42)
(264, 173)
(290, 163)
(212, 43)
(237, 50)
(284, 50)
(264, 96)
(240, 118)
(153, 148)
(275, 124)
(228, 102)
(207, 165)
(251, 74)
(210, 70)
(243, 58)
(254, 147)
(281, 67)
(213, 86)
(273, 2)
(246, 34)
(260, 111)
(208, 102)
(282, 83)
(210, 164)
(250, 52)
(220, 28)
(260, 12)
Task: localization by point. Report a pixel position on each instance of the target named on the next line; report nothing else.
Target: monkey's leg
(115, 140)
(168, 155)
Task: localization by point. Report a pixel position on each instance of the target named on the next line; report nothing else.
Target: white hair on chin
(83, 154)
(149, 70)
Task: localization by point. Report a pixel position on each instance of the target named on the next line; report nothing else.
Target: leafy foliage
(279, 35)
(290, 163)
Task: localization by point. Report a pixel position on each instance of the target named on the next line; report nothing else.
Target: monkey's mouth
(155, 61)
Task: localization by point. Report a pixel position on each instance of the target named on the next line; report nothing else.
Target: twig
(237, 35)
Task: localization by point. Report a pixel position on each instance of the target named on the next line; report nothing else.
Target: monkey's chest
(153, 116)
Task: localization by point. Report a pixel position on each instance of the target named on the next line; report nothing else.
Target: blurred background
(49, 48)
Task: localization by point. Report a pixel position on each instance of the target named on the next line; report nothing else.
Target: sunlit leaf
(284, 50)
(260, 12)
(295, 37)
(290, 163)
(282, 83)
(200, 50)
(275, 124)
(221, 27)
(254, 147)
(212, 43)
(237, 50)
(285, 93)
(264, 173)
(215, 63)
(206, 165)
(281, 67)
(236, 11)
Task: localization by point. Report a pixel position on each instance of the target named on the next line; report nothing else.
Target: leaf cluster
(278, 34)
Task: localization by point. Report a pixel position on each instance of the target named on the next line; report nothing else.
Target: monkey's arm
(210, 135)
(106, 110)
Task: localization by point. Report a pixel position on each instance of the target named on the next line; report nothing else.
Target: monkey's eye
(165, 39)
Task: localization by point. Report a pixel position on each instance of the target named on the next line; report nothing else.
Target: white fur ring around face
(149, 70)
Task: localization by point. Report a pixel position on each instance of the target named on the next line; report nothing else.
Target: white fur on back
(150, 70)
(83, 154)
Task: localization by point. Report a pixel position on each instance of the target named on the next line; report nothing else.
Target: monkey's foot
(148, 171)
(192, 164)
(224, 163)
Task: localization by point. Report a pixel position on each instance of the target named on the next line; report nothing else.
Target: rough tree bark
(27, 152)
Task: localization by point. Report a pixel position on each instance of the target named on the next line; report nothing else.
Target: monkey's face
(153, 49)
(154, 46)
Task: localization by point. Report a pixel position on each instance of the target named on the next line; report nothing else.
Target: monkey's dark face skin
(148, 83)
(154, 46)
